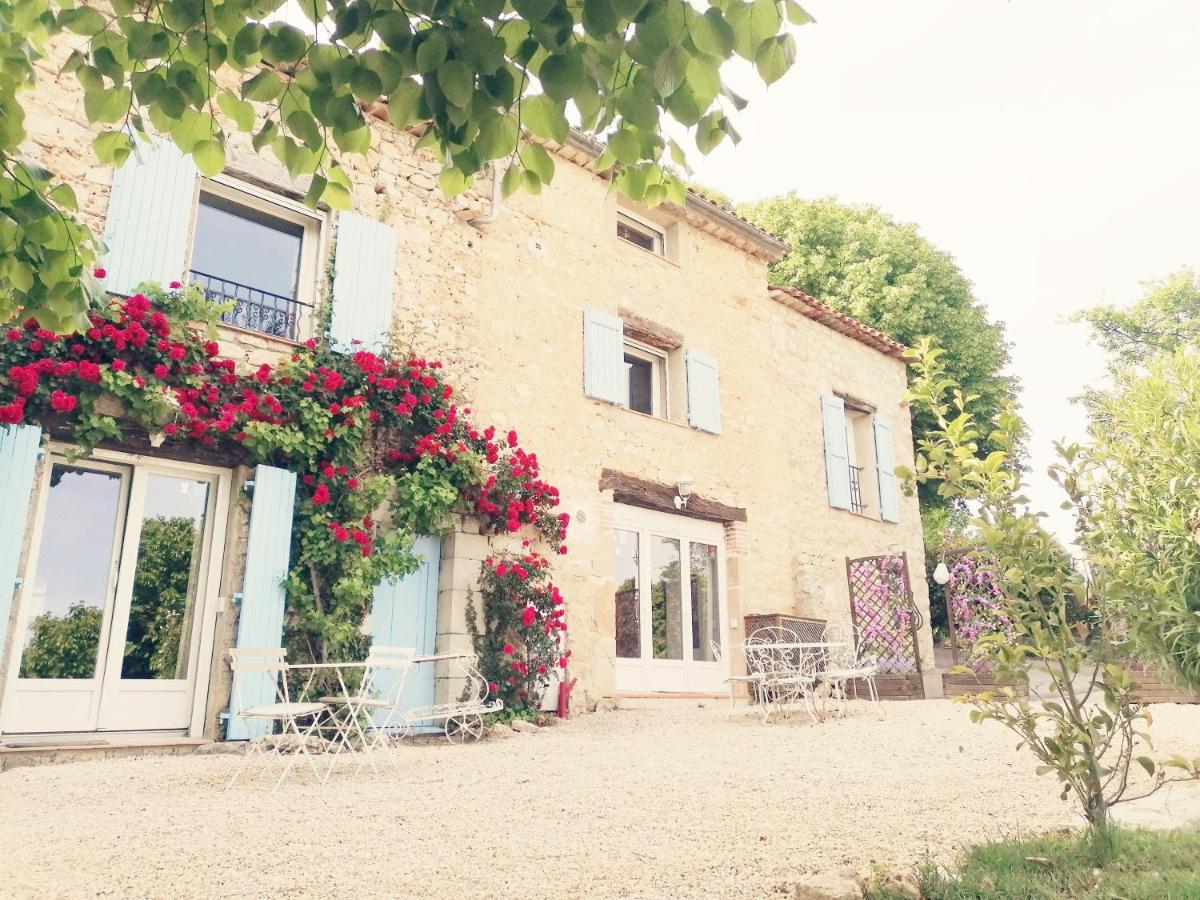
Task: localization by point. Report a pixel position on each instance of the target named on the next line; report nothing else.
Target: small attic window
(640, 233)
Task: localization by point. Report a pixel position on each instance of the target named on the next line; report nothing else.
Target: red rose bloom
(99, 273)
(321, 495)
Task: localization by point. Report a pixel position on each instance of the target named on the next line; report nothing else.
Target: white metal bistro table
(349, 724)
(786, 672)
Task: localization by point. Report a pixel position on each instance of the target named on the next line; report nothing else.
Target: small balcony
(254, 309)
(856, 498)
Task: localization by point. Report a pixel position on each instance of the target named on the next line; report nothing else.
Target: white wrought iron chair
(262, 673)
(375, 708)
(788, 673)
(846, 664)
(750, 679)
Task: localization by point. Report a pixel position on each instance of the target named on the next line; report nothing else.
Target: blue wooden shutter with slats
(404, 614)
(703, 391)
(149, 217)
(268, 550)
(364, 282)
(604, 356)
(889, 494)
(837, 452)
(18, 459)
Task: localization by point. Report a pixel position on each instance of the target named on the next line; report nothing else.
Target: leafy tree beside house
(886, 274)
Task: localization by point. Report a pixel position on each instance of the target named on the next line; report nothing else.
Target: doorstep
(16, 752)
(665, 700)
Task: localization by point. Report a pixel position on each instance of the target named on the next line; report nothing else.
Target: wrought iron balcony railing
(254, 308)
(856, 499)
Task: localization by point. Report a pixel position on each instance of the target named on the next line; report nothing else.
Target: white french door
(124, 564)
(669, 602)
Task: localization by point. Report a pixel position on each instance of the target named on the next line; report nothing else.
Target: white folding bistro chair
(260, 678)
(372, 713)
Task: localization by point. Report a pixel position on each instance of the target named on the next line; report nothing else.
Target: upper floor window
(641, 233)
(258, 253)
(859, 463)
(645, 379)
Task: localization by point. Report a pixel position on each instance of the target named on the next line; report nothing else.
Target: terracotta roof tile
(814, 309)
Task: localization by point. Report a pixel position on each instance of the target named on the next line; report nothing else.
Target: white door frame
(139, 467)
(646, 674)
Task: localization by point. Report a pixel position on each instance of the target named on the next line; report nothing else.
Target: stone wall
(503, 307)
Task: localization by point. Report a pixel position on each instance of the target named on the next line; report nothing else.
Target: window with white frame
(645, 378)
(641, 233)
(259, 252)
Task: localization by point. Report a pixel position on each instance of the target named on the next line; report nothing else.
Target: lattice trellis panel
(885, 619)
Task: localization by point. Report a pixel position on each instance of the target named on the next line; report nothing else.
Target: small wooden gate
(886, 618)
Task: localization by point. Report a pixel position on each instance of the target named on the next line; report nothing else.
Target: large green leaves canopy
(486, 75)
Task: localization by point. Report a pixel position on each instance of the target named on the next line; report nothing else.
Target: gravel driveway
(621, 804)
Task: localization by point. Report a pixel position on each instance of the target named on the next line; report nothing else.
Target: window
(859, 466)
(645, 379)
(641, 234)
(259, 253)
(858, 433)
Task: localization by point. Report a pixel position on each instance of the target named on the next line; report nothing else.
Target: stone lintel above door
(635, 491)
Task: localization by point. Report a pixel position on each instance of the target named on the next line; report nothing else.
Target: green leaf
(337, 196)
(453, 181)
(457, 83)
(711, 34)
(562, 76)
(240, 111)
(82, 20)
(497, 138)
(775, 57)
(670, 69)
(284, 43)
(263, 87)
(210, 157)
(637, 105)
(535, 158)
(406, 105)
(432, 52)
(599, 18)
(365, 84)
(624, 145)
(544, 118)
(511, 183)
(796, 14)
(107, 106)
(112, 147)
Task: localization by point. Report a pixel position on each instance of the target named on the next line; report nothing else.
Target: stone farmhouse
(694, 418)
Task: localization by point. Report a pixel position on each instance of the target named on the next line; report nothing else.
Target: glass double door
(108, 632)
(668, 603)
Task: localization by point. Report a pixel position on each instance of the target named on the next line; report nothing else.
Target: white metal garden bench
(463, 719)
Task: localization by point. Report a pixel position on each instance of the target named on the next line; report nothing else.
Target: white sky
(1051, 146)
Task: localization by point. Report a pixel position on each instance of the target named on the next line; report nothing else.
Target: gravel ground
(621, 804)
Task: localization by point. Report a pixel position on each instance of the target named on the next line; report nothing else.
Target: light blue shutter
(604, 356)
(404, 614)
(149, 217)
(18, 458)
(364, 282)
(268, 550)
(703, 391)
(889, 497)
(837, 453)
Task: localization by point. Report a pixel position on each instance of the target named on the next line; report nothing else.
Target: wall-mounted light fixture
(683, 489)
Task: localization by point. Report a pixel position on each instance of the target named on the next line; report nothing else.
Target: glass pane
(706, 625)
(628, 596)
(641, 384)
(74, 569)
(666, 598)
(165, 582)
(239, 244)
(638, 234)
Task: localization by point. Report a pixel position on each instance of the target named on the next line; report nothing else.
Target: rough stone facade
(503, 306)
